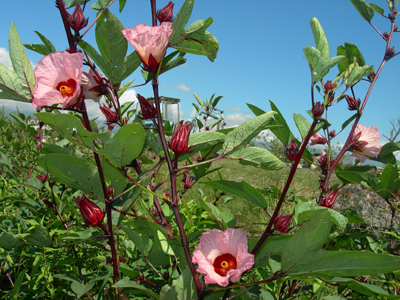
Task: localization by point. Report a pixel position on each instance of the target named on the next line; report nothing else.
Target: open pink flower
(317, 139)
(149, 42)
(223, 256)
(365, 142)
(58, 79)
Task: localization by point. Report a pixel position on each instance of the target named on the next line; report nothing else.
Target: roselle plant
(105, 213)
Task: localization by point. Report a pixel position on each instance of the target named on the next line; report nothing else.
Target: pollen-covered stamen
(67, 88)
(225, 263)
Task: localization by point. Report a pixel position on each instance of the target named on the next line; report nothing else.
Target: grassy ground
(248, 216)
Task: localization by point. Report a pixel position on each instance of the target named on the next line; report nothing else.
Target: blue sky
(260, 58)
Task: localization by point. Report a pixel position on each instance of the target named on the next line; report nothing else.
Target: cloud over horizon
(182, 87)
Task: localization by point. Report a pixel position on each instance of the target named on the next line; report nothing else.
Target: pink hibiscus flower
(58, 79)
(223, 256)
(149, 42)
(365, 142)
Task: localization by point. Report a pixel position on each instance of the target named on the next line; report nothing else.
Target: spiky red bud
(353, 103)
(166, 14)
(77, 20)
(329, 199)
(282, 223)
(91, 213)
(292, 151)
(180, 138)
(148, 111)
(318, 110)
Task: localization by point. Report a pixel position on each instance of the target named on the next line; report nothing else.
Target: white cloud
(182, 87)
(237, 119)
(183, 114)
(236, 109)
(5, 58)
(129, 95)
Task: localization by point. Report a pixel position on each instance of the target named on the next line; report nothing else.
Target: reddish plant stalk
(172, 174)
(285, 189)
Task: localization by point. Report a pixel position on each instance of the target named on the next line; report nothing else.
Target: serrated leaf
(74, 172)
(239, 189)
(257, 157)
(320, 38)
(245, 132)
(20, 62)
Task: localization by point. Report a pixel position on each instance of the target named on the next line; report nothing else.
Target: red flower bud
(167, 193)
(353, 103)
(180, 138)
(111, 116)
(147, 109)
(282, 223)
(91, 213)
(329, 199)
(292, 151)
(43, 178)
(389, 53)
(317, 139)
(110, 191)
(318, 110)
(332, 134)
(77, 20)
(47, 202)
(188, 182)
(166, 14)
(323, 162)
(329, 86)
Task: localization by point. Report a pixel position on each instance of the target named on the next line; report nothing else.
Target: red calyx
(91, 213)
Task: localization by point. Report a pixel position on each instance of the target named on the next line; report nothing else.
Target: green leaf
(306, 241)
(320, 39)
(127, 283)
(355, 73)
(199, 100)
(245, 132)
(318, 65)
(366, 11)
(121, 5)
(9, 241)
(302, 124)
(114, 175)
(239, 189)
(204, 140)
(257, 111)
(351, 54)
(356, 174)
(180, 21)
(377, 8)
(281, 129)
(111, 43)
(80, 289)
(74, 172)
(44, 49)
(389, 148)
(17, 285)
(20, 62)
(182, 288)
(39, 237)
(363, 288)
(271, 247)
(143, 244)
(164, 244)
(257, 157)
(11, 87)
(389, 182)
(327, 264)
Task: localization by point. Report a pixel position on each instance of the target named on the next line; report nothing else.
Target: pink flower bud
(91, 213)
(166, 14)
(282, 223)
(292, 151)
(353, 103)
(148, 111)
(318, 110)
(77, 20)
(329, 199)
(317, 139)
(180, 138)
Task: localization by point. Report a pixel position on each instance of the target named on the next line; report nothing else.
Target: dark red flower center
(224, 263)
(67, 88)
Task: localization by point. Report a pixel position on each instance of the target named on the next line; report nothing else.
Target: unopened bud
(110, 191)
(153, 212)
(282, 223)
(167, 193)
(329, 86)
(353, 103)
(47, 202)
(318, 139)
(292, 151)
(91, 213)
(148, 111)
(332, 134)
(390, 53)
(166, 14)
(188, 182)
(43, 178)
(77, 20)
(180, 138)
(318, 110)
(329, 199)
(165, 275)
